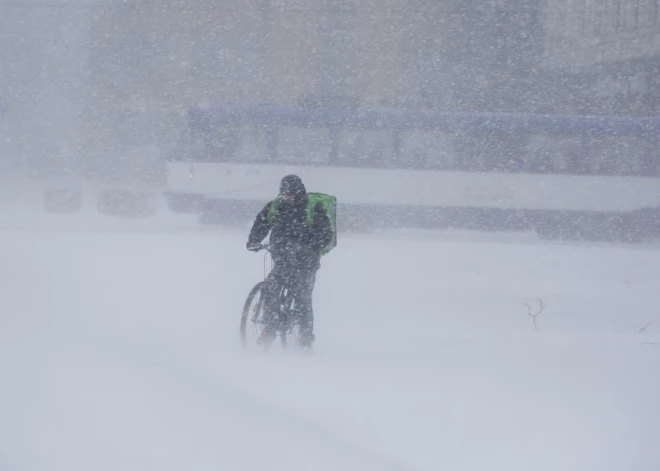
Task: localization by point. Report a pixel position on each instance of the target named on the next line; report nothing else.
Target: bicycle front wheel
(253, 320)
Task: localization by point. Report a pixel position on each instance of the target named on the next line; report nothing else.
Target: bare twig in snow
(643, 329)
(532, 315)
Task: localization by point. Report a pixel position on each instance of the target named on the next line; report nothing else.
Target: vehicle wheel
(126, 203)
(62, 200)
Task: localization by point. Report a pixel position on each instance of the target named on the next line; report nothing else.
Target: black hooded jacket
(293, 243)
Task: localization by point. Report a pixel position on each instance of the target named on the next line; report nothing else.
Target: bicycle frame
(267, 249)
(287, 315)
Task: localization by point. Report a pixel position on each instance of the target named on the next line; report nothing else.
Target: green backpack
(328, 202)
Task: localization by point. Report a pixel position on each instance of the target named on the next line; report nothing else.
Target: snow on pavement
(119, 350)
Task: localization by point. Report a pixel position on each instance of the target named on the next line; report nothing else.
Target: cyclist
(295, 246)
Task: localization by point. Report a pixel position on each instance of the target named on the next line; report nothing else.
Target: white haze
(119, 345)
(119, 350)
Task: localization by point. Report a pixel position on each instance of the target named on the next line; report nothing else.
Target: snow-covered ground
(119, 350)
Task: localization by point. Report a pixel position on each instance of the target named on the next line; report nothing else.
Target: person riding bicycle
(295, 247)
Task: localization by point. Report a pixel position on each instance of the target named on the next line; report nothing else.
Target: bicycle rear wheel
(286, 309)
(290, 329)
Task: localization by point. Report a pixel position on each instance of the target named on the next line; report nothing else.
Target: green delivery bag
(328, 202)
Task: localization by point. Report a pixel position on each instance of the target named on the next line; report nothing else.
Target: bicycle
(286, 320)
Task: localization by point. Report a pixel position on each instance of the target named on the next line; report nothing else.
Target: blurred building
(414, 52)
(606, 54)
(43, 58)
(153, 58)
(135, 67)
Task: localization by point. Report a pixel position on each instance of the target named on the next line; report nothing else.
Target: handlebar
(262, 247)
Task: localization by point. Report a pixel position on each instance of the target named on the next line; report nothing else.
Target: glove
(253, 246)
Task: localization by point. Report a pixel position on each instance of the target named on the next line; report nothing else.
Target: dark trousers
(301, 284)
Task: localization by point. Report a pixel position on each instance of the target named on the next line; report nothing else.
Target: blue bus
(565, 176)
